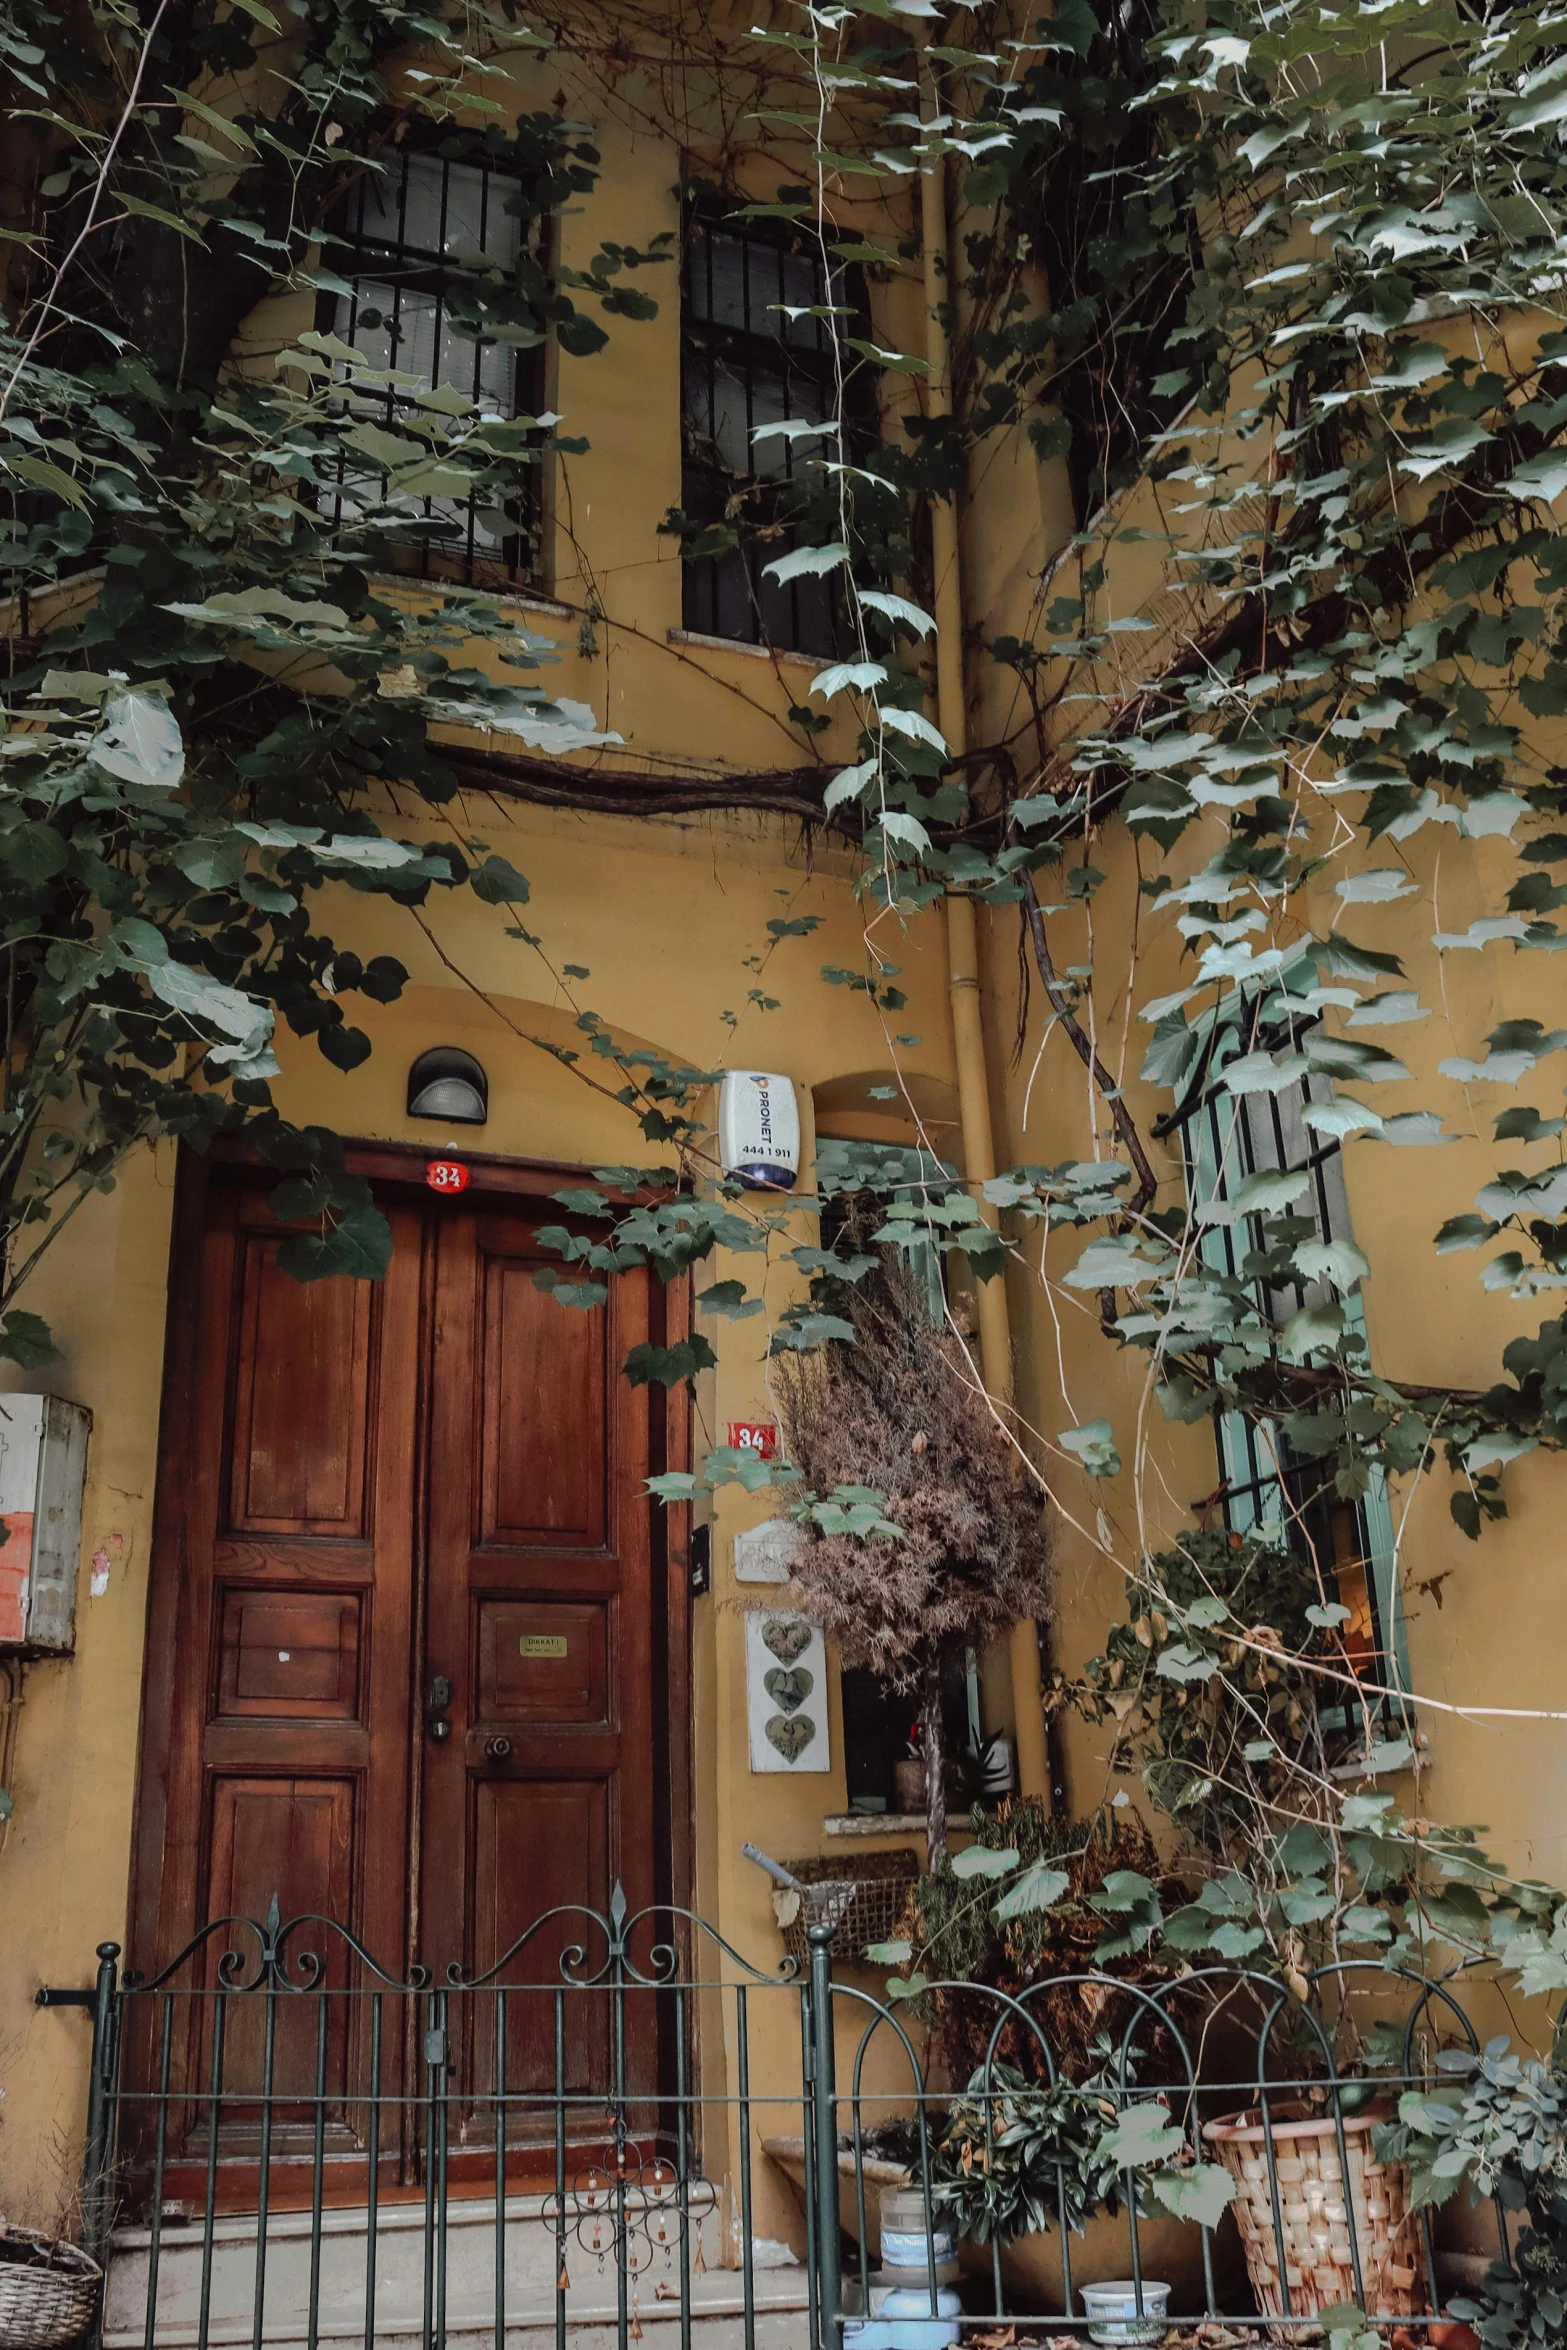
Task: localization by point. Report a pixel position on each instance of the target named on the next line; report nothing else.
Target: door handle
(437, 1721)
(498, 1750)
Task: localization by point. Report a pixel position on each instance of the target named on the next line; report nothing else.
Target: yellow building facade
(666, 917)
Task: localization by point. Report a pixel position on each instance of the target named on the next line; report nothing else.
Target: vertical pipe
(963, 977)
(829, 2247)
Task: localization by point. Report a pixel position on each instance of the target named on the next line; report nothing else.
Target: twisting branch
(1125, 1124)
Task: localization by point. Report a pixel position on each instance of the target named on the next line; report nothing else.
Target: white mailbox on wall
(43, 1470)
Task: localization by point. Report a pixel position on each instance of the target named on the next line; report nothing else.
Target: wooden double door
(414, 1641)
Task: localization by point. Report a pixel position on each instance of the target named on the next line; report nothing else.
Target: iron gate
(274, 2121)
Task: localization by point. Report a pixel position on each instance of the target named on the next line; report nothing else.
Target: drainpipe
(1035, 1774)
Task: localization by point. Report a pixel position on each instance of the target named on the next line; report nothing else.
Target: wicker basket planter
(863, 1900)
(48, 2291)
(1316, 2203)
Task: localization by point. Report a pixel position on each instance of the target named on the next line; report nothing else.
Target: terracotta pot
(908, 1786)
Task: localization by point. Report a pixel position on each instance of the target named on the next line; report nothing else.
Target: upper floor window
(426, 243)
(1266, 1488)
(752, 354)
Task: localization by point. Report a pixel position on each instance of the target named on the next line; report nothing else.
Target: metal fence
(288, 2145)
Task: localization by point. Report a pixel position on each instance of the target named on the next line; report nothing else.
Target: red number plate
(446, 1175)
(758, 1436)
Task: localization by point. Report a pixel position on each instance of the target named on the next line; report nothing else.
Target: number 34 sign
(758, 1436)
(446, 1175)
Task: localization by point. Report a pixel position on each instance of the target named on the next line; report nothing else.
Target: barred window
(1265, 1487)
(746, 361)
(421, 242)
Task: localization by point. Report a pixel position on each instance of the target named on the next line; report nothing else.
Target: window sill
(856, 1824)
(509, 596)
(730, 644)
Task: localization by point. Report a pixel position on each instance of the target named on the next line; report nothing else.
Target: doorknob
(498, 1750)
(437, 1721)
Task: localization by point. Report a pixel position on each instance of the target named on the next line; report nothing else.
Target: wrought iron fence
(288, 2145)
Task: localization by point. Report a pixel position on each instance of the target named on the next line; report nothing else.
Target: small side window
(1265, 1487)
(754, 351)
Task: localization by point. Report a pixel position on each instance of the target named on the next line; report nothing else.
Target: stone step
(532, 2260)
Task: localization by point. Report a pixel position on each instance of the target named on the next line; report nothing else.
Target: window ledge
(521, 601)
(730, 644)
(874, 1823)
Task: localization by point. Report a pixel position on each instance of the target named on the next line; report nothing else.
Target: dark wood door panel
(535, 1443)
(542, 1428)
(564, 1827)
(542, 1660)
(291, 1407)
(290, 1655)
(302, 1398)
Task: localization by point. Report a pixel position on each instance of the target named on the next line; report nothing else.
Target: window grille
(421, 242)
(1265, 1487)
(745, 362)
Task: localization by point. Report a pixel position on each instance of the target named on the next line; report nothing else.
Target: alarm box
(43, 1472)
(759, 1129)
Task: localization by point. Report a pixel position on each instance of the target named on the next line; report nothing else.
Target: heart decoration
(790, 1733)
(790, 1689)
(787, 1636)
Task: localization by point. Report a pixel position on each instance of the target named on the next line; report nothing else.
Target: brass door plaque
(542, 1644)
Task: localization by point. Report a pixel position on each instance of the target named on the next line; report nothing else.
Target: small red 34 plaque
(446, 1175)
(758, 1436)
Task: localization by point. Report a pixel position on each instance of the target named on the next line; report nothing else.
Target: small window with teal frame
(1265, 1487)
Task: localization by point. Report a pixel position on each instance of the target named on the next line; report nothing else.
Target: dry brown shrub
(899, 1410)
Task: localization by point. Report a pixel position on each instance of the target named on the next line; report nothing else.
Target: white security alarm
(759, 1129)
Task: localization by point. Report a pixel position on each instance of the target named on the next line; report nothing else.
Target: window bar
(440, 2085)
(1135, 2243)
(1335, 2092)
(432, 2042)
(618, 2117)
(1270, 2157)
(560, 2170)
(264, 2178)
(743, 2058)
(373, 2183)
(317, 2176)
(160, 2147)
(857, 2136)
(808, 2125)
(209, 2215)
(500, 2169)
(683, 2166)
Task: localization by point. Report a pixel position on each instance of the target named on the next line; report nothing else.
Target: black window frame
(360, 257)
(724, 595)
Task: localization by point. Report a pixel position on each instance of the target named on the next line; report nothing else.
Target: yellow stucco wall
(664, 915)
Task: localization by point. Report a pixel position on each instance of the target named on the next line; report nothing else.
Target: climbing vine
(1275, 295)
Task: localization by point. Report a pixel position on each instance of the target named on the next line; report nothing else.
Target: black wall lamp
(449, 1084)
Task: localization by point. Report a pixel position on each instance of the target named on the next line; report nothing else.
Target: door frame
(398, 1167)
